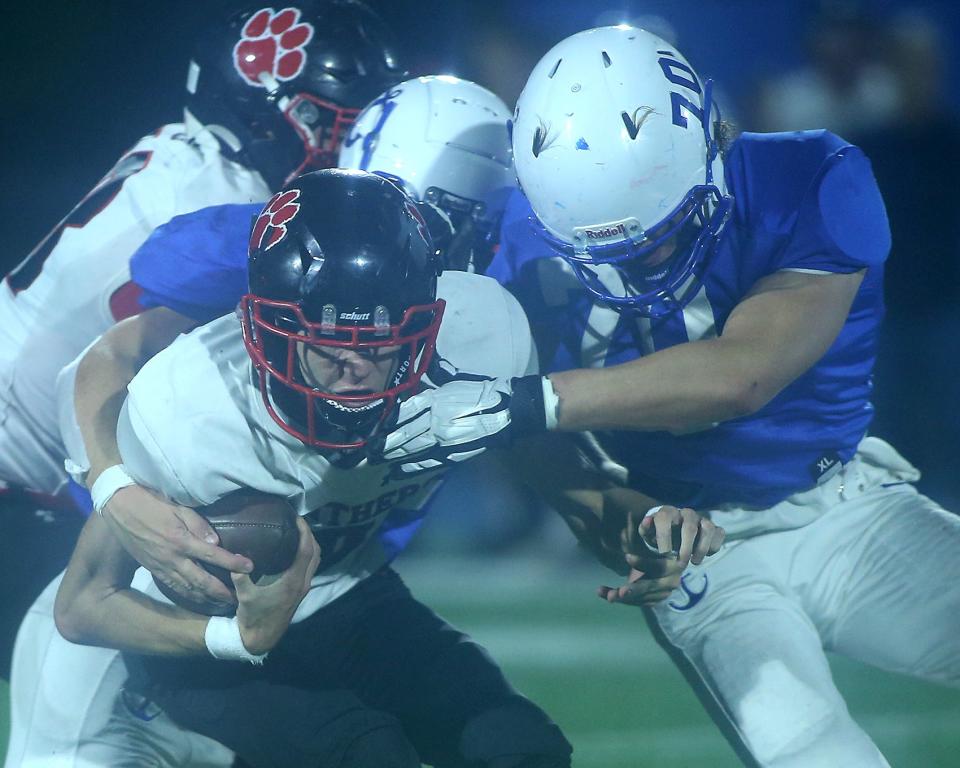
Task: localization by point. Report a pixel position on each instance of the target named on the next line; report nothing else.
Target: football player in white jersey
(190, 271)
(343, 321)
(465, 166)
(269, 94)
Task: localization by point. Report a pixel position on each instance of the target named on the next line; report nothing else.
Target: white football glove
(451, 423)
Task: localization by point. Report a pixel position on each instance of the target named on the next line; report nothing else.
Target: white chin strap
(272, 85)
(227, 137)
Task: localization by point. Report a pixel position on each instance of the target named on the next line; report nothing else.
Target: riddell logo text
(354, 315)
(600, 234)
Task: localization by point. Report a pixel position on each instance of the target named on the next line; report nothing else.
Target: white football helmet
(445, 141)
(614, 147)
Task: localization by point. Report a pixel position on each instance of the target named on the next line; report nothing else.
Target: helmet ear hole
(606, 60)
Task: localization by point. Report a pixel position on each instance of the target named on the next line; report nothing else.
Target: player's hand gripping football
(264, 609)
(166, 539)
(658, 548)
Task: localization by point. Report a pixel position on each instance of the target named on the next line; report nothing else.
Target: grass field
(596, 669)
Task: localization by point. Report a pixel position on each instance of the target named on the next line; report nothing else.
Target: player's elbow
(749, 396)
(67, 624)
(71, 615)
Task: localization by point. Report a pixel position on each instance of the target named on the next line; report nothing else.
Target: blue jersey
(196, 264)
(803, 201)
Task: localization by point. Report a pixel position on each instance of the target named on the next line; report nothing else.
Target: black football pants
(373, 680)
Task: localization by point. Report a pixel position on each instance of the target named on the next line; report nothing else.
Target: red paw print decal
(272, 43)
(271, 225)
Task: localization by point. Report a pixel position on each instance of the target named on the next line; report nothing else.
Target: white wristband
(223, 640)
(551, 403)
(111, 480)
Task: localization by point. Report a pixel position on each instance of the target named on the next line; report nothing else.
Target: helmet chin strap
(230, 144)
(222, 134)
(272, 86)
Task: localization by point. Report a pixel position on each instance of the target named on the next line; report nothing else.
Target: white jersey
(75, 284)
(194, 427)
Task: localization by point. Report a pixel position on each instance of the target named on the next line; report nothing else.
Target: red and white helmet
(613, 145)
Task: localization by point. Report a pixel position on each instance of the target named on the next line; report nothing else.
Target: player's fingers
(604, 593)
(197, 525)
(689, 528)
(646, 593)
(172, 580)
(306, 547)
(705, 542)
(190, 546)
(719, 536)
(197, 581)
(647, 534)
(664, 521)
(242, 583)
(654, 567)
(631, 536)
(314, 562)
(633, 597)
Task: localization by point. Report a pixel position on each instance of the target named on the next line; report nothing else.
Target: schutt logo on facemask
(271, 225)
(272, 43)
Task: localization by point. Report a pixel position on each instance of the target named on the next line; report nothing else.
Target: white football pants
(68, 708)
(873, 577)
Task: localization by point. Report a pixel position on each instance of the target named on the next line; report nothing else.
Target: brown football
(253, 524)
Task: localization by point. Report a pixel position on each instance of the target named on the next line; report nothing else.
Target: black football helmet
(339, 260)
(281, 87)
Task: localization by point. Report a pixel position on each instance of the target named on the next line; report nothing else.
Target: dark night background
(82, 81)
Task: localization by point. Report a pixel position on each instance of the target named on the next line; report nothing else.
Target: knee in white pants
(787, 724)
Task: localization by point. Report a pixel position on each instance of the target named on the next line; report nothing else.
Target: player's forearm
(126, 620)
(96, 606)
(101, 386)
(104, 373)
(684, 388)
(573, 475)
(784, 325)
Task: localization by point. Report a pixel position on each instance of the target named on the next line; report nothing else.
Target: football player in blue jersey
(709, 307)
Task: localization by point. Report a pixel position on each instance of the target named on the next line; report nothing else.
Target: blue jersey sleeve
(812, 198)
(196, 264)
(842, 224)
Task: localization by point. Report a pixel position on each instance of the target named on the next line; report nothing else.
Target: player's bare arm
(611, 521)
(165, 538)
(783, 326)
(96, 606)
(574, 486)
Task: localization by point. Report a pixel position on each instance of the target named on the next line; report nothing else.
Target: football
(249, 523)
